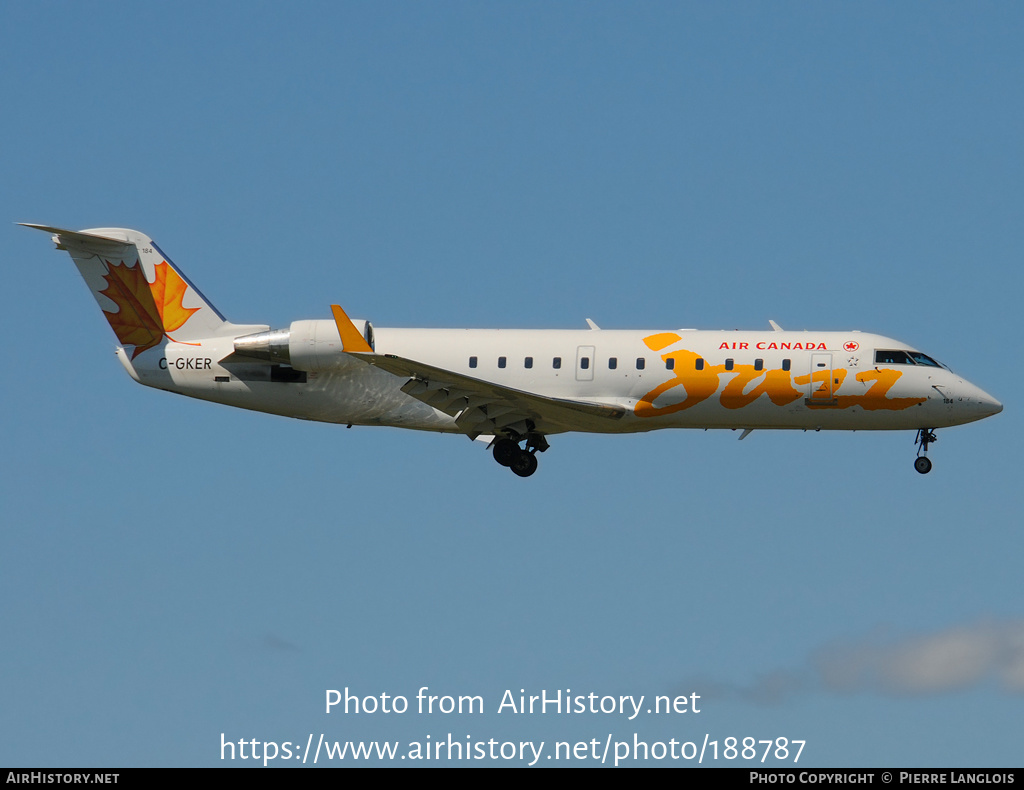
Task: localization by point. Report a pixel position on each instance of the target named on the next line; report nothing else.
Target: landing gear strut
(922, 463)
(521, 460)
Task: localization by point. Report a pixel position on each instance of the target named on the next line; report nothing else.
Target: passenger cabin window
(528, 362)
(699, 364)
(472, 362)
(556, 363)
(584, 363)
(892, 358)
(613, 363)
(670, 363)
(501, 362)
(728, 364)
(758, 364)
(641, 363)
(786, 364)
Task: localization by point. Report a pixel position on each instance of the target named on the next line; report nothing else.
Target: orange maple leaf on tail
(146, 311)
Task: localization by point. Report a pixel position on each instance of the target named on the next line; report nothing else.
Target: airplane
(510, 388)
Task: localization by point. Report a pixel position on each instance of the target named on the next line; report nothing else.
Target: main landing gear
(922, 463)
(521, 460)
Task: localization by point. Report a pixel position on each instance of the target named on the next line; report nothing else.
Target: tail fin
(144, 296)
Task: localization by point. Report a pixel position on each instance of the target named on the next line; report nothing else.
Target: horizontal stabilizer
(64, 238)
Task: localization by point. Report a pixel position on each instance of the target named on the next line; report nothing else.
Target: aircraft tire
(525, 464)
(505, 451)
(922, 464)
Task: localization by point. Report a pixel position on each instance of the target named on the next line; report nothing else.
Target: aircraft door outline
(820, 389)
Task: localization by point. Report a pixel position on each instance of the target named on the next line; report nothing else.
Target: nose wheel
(922, 463)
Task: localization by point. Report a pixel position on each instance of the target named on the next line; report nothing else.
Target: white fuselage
(717, 379)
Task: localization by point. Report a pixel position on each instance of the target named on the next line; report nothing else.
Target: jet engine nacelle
(306, 345)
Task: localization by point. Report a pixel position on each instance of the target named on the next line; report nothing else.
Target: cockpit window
(892, 358)
(885, 357)
(923, 359)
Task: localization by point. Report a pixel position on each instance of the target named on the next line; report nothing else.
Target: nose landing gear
(922, 463)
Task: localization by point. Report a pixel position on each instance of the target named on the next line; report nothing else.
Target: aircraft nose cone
(992, 406)
(985, 403)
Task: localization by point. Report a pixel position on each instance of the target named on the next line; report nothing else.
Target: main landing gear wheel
(521, 460)
(505, 451)
(922, 463)
(525, 463)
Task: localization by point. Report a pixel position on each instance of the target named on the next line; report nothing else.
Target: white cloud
(953, 659)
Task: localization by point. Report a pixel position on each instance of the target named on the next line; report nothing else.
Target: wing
(482, 407)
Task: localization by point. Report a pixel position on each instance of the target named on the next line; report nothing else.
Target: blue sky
(171, 570)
